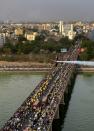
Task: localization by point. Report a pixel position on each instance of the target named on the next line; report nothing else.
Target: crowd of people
(38, 110)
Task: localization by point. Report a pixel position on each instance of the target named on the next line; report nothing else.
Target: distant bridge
(42, 106)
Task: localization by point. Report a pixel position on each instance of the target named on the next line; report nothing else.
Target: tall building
(2, 39)
(66, 30)
(61, 27)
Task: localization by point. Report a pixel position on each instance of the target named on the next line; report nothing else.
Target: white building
(61, 27)
(31, 36)
(2, 39)
(67, 30)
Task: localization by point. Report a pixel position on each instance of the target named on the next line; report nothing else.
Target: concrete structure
(41, 26)
(18, 31)
(66, 30)
(2, 39)
(45, 26)
(31, 36)
(42, 106)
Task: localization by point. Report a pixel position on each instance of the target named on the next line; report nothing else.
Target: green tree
(88, 54)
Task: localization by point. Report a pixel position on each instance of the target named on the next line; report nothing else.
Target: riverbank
(19, 69)
(34, 67)
(24, 64)
(85, 69)
(44, 69)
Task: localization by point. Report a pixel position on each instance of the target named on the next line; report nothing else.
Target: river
(80, 113)
(14, 89)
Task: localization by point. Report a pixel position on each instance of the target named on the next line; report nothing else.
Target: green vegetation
(39, 45)
(41, 58)
(43, 50)
(88, 52)
(40, 50)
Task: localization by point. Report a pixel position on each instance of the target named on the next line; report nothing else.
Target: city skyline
(43, 10)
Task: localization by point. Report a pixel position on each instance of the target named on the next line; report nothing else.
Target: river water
(15, 88)
(80, 113)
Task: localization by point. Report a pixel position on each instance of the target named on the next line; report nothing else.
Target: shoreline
(25, 69)
(34, 67)
(85, 70)
(41, 69)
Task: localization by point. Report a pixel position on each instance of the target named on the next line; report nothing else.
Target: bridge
(42, 106)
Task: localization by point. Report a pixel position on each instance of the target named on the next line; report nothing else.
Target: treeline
(37, 46)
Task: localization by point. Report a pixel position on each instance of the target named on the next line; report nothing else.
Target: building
(2, 39)
(66, 30)
(18, 31)
(61, 27)
(31, 36)
(41, 26)
(46, 27)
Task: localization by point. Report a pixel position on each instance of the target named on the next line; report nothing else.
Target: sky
(46, 10)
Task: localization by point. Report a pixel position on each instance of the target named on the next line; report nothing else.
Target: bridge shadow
(58, 124)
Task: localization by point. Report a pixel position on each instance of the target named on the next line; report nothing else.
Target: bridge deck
(38, 110)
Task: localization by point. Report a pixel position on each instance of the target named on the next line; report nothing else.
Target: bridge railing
(25, 115)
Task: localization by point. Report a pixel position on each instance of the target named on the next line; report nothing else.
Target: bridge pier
(62, 101)
(57, 114)
(66, 91)
(59, 86)
(51, 128)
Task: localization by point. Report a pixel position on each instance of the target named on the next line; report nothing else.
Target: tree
(65, 42)
(7, 50)
(89, 50)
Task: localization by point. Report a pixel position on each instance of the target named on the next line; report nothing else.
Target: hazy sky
(42, 10)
